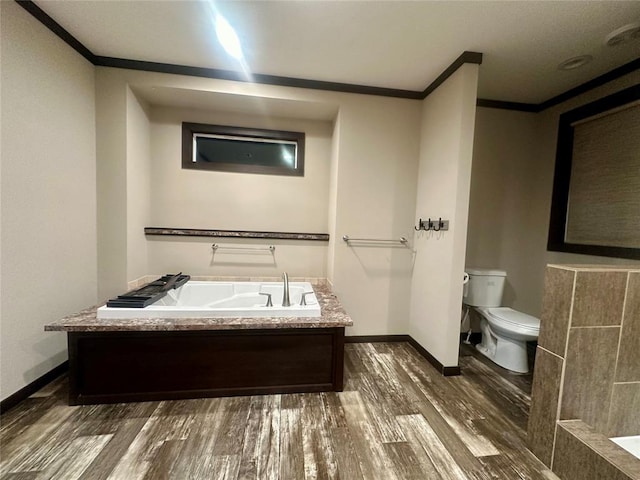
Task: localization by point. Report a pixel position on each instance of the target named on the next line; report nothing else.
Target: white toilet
(505, 332)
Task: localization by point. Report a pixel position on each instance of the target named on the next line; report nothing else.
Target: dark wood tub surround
(123, 360)
(112, 367)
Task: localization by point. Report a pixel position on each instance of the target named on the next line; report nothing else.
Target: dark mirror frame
(562, 177)
(189, 129)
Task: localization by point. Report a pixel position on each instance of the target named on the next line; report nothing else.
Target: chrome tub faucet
(286, 302)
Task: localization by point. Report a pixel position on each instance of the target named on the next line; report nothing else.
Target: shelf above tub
(194, 232)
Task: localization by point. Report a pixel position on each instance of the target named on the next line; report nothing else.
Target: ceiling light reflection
(228, 38)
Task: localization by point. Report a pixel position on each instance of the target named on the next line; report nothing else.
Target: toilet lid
(511, 316)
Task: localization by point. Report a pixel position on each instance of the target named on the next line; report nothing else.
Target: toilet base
(506, 352)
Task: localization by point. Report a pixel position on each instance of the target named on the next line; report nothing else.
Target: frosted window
(245, 150)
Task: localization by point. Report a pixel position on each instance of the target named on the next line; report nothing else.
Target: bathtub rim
(157, 311)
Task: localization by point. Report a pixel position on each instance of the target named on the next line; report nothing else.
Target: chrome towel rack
(269, 248)
(401, 240)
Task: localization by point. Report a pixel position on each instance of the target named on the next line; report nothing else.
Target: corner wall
(333, 198)
(111, 172)
(503, 219)
(138, 185)
(375, 199)
(448, 118)
(48, 194)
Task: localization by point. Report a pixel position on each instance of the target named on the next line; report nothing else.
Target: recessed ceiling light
(575, 62)
(623, 35)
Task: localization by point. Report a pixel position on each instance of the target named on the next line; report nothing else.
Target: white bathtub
(224, 299)
(630, 444)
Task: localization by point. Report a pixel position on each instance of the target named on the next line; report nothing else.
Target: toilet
(505, 332)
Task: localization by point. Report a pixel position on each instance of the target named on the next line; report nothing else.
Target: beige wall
(333, 197)
(370, 153)
(375, 198)
(231, 200)
(448, 117)
(111, 172)
(48, 217)
(511, 185)
(138, 185)
(506, 177)
(237, 201)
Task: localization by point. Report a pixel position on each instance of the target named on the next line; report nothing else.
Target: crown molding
(521, 107)
(259, 78)
(591, 84)
(219, 74)
(56, 28)
(465, 57)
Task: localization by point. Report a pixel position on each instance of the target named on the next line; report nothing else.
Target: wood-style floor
(396, 419)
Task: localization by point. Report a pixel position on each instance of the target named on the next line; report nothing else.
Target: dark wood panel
(376, 338)
(517, 106)
(446, 370)
(136, 366)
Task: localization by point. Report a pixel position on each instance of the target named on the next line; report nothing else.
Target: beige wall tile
(599, 298)
(556, 309)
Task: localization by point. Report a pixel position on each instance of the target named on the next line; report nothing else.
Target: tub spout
(285, 293)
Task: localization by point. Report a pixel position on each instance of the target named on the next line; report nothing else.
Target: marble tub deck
(332, 315)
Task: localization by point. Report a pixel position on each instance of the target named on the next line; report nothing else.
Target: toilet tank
(485, 287)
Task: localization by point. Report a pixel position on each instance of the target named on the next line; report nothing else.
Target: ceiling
(390, 44)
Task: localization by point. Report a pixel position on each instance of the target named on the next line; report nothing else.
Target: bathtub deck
(332, 316)
(124, 360)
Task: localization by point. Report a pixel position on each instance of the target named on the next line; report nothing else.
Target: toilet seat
(512, 323)
(510, 317)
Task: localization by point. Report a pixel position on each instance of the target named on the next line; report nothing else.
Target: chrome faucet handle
(269, 302)
(303, 298)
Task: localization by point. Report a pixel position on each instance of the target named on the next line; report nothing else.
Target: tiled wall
(588, 356)
(583, 454)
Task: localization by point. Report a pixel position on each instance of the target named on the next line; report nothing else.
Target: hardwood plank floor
(398, 418)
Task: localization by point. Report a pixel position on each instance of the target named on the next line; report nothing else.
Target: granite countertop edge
(332, 316)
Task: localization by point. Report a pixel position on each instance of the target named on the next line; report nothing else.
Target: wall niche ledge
(195, 232)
